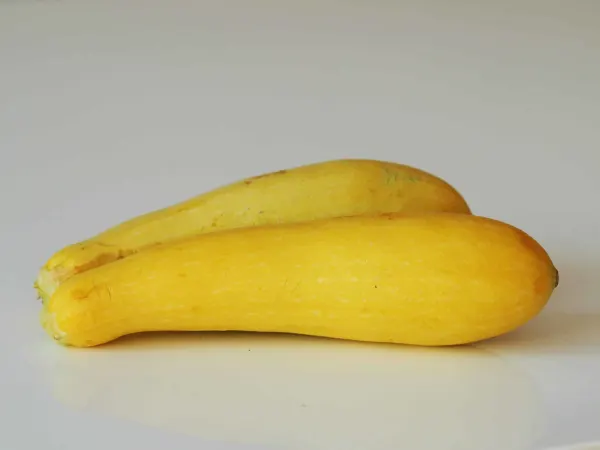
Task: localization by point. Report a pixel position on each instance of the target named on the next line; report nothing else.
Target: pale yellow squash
(431, 279)
(315, 191)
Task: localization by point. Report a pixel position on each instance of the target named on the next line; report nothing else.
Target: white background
(109, 109)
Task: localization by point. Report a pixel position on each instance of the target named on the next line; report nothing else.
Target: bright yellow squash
(316, 191)
(434, 279)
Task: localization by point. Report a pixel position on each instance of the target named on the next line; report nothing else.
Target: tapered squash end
(48, 322)
(46, 284)
(72, 260)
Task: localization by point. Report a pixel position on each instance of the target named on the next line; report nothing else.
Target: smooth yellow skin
(433, 279)
(316, 191)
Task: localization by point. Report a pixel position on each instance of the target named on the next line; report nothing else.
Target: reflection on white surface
(584, 446)
(561, 353)
(295, 392)
(552, 332)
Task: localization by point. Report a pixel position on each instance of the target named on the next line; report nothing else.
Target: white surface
(109, 109)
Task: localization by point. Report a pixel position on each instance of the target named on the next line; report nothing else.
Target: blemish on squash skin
(391, 176)
(80, 294)
(104, 258)
(85, 294)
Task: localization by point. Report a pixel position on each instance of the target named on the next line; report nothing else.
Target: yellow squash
(432, 279)
(316, 191)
